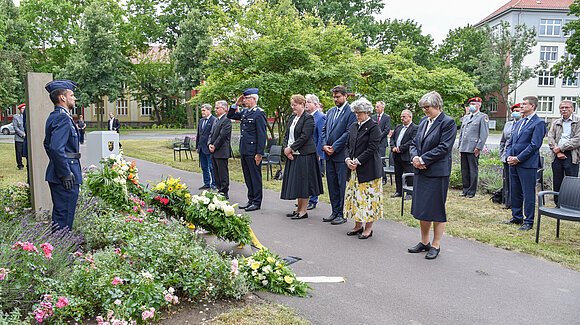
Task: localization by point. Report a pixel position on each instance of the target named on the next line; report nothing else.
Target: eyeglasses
(565, 107)
(425, 107)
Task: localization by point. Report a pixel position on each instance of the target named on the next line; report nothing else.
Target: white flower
(171, 290)
(265, 283)
(147, 275)
(205, 200)
(267, 269)
(112, 156)
(117, 302)
(216, 201)
(229, 210)
(124, 167)
(211, 207)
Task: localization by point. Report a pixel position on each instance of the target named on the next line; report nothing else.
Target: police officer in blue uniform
(252, 144)
(61, 142)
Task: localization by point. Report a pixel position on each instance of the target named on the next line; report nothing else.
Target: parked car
(7, 129)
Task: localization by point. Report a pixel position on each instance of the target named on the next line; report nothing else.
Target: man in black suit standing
(384, 122)
(400, 142)
(201, 145)
(114, 124)
(219, 146)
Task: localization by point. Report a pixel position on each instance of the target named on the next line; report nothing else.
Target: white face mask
(516, 115)
(472, 108)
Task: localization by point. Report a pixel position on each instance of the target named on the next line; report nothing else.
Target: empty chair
(183, 146)
(274, 158)
(407, 189)
(568, 204)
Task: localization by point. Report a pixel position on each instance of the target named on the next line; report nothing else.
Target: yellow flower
(255, 265)
(288, 279)
(170, 189)
(179, 186)
(187, 195)
(160, 186)
(270, 259)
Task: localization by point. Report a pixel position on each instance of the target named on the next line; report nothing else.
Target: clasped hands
(288, 153)
(351, 164)
(559, 153)
(328, 149)
(417, 163)
(512, 160)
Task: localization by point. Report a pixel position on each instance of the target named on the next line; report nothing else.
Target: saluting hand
(240, 100)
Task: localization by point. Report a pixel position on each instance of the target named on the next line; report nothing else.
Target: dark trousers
(253, 179)
(82, 136)
(523, 193)
(19, 148)
(469, 170)
(506, 185)
(561, 168)
(336, 180)
(314, 199)
(221, 174)
(64, 203)
(401, 167)
(206, 169)
(383, 153)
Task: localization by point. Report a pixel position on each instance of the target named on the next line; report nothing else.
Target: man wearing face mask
(472, 137)
(505, 136)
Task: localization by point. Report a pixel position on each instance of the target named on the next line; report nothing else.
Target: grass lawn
(476, 219)
(9, 174)
(265, 314)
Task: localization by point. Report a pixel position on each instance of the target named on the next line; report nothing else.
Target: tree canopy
(570, 64)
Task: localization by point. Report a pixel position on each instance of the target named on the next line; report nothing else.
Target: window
(569, 32)
(492, 105)
(545, 104)
(550, 27)
(146, 108)
(574, 101)
(122, 107)
(74, 111)
(546, 78)
(11, 111)
(548, 53)
(571, 82)
(98, 108)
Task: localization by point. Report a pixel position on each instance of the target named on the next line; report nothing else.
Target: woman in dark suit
(363, 199)
(431, 157)
(302, 173)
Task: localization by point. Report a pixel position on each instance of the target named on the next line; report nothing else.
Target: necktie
(379, 119)
(522, 126)
(203, 124)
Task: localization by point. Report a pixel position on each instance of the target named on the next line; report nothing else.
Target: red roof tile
(531, 4)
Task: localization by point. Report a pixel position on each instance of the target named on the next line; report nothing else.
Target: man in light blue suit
(312, 105)
(334, 135)
(523, 156)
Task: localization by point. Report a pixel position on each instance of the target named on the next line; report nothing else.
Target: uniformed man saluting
(61, 142)
(252, 144)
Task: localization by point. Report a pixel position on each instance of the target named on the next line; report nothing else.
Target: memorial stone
(101, 144)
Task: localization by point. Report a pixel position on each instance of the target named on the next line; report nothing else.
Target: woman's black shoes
(361, 236)
(420, 248)
(432, 253)
(290, 215)
(354, 233)
(298, 216)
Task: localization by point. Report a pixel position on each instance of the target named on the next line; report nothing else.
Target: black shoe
(408, 197)
(506, 207)
(311, 206)
(396, 195)
(252, 207)
(432, 253)
(419, 248)
(462, 194)
(356, 232)
(245, 205)
(361, 236)
(205, 187)
(526, 226)
(329, 218)
(290, 215)
(469, 196)
(338, 221)
(514, 221)
(384, 182)
(20, 167)
(298, 216)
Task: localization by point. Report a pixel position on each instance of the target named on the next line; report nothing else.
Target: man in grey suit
(19, 135)
(384, 122)
(400, 142)
(219, 146)
(472, 137)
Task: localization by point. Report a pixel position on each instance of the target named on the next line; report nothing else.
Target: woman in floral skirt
(363, 201)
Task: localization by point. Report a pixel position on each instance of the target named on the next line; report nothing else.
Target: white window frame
(545, 104)
(95, 107)
(146, 108)
(568, 83)
(549, 53)
(546, 77)
(570, 32)
(492, 106)
(550, 24)
(122, 107)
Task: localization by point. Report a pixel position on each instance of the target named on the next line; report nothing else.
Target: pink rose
(135, 208)
(117, 302)
(29, 247)
(117, 280)
(168, 297)
(149, 210)
(62, 302)
(17, 245)
(234, 267)
(175, 300)
(77, 253)
(47, 249)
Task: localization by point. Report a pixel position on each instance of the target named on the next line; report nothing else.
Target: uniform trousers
(207, 169)
(523, 193)
(561, 168)
(64, 203)
(336, 180)
(469, 170)
(401, 167)
(19, 148)
(253, 179)
(221, 174)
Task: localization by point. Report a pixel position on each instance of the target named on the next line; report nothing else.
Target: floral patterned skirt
(363, 202)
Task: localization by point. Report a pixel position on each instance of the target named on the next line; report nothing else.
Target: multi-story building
(548, 17)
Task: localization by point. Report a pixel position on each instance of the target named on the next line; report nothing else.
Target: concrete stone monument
(101, 144)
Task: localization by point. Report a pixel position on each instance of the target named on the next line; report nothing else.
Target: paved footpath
(469, 283)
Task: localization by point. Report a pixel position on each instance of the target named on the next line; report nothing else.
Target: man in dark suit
(400, 141)
(61, 142)
(201, 146)
(334, 135)
(113, 124)
(523, 156)
(219, 146)
(312, 104)
(252, 144)
(384, 121)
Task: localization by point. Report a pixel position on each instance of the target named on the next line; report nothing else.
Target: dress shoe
(252, 207)
(205, 187)
(298, 216)
(384, 181)
(396, 195)
(311, 206)
(290, 215)
(408, 197)
(419, 248)
(20, 167)
(338, 221)
(356, 232)
(329, 218)
(462, 194)
(469, 196)
(245, 205)
(514, 221)
(506, 207)
(361, 236)
(526, 226)
(432, 253)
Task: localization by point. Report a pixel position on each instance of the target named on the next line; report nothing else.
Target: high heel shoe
(361, 236)
(354, 233)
